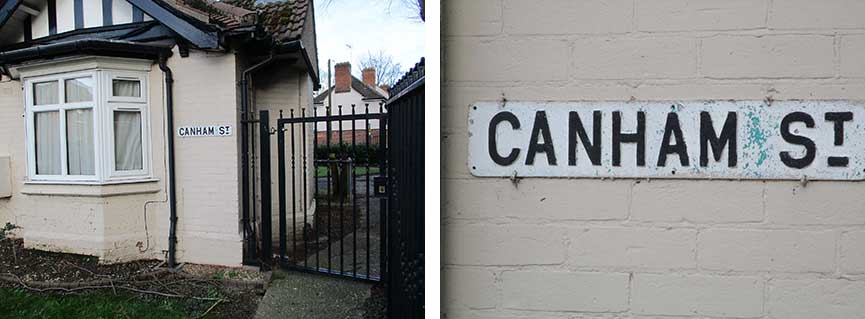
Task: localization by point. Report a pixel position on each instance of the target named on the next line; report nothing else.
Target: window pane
(47, 136)
(45, 93)
(128, 88)
(127, 141)
(79, 142)
(79, 90)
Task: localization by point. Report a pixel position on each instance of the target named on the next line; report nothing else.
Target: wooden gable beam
(7, 8)
(200, 38)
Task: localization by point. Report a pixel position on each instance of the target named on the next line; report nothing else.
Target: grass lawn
(321, 171)
(18, 303)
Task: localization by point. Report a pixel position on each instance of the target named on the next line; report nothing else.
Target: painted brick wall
(556, 248)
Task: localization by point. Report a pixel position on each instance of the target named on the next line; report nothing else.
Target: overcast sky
(367, 25)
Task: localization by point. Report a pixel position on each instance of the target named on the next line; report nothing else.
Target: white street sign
(816, 140)
(204, 130)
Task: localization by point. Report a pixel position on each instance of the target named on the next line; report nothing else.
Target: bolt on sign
(816, 140)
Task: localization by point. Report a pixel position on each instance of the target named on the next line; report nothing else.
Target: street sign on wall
(204, 130)
(817, 140)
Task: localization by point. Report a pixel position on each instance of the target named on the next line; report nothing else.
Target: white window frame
(103, 106)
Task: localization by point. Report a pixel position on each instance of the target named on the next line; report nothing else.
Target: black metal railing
(405, 260)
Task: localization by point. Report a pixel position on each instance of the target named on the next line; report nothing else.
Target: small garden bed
(38, 284)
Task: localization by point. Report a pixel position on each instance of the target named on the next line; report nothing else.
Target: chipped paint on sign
(669, 139)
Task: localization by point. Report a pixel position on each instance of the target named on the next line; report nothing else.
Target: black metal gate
(405, 263)
(331, 199)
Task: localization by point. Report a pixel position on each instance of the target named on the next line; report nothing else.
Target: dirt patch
(225, 292)
(375, 307)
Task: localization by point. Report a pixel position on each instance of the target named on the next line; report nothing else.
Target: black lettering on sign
(789, 137)
(838, 118)
(638, 137)
(672, 128)
(727, 137)
(541, 126)
(593, 147)
(494, 153)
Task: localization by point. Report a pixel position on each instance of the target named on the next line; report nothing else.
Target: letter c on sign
(494, 153)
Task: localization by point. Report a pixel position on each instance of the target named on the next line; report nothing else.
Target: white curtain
(128, 88)
(79, 142)
(79, 90)
(127, 141)
(47, 142)
(45, 93)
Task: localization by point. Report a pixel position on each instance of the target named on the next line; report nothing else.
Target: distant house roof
(365, 90)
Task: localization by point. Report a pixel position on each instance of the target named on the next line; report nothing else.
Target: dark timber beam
(7, 8)
(200, 38)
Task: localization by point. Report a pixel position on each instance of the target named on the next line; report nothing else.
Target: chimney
(369, 76)
(343, 77)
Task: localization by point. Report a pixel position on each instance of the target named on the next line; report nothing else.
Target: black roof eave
(97, 47)
(199, 36)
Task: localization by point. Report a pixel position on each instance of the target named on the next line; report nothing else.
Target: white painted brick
(698, 201)
(767, 250)
(468, 288)
(699, 91)
(852, 63)
(853, 252)
(680, 295)
(567, 17)
(618, 58)
(633, 248)
(559, 199)
(819, 203)
(809, 14)
(503, 245)
(690, 15)
(771, 56)
(813, 91)
(809, 299)
(527, 59)
(565, 291)
(477, 17)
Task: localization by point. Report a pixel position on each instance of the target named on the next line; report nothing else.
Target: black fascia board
(199, 36)
(7, 9)
(104, 32)
(99, 47)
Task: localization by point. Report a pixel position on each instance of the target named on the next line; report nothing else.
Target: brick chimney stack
(369, 76)
(343, 77)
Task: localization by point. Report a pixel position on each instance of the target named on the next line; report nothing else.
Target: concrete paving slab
(312, 296)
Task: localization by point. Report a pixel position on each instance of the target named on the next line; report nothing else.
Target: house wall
(625, 248)
(109, 221)
(346, 99)
(287, 88)
(208, 182)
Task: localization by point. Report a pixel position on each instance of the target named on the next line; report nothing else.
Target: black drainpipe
(172, 195)
(244, 153)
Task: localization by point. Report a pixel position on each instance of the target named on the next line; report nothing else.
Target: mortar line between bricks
(836, 58)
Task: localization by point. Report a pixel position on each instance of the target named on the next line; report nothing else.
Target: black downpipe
(172, 195)
(249, 250)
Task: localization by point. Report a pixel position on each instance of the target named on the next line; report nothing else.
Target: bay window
(87, 126)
